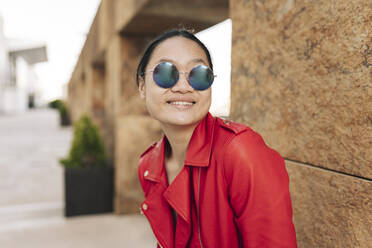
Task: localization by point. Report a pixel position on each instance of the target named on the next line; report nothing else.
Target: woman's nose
(182, 85)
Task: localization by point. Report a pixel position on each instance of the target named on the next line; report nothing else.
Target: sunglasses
(166, 75)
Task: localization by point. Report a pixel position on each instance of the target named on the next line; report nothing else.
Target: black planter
(65, 120)
(88, 191)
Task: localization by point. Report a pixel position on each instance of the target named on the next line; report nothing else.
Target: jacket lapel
(177, 195)
(159, 215)
(158, 211)
(199, 149)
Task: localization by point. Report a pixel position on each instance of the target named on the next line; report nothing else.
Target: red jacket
(232, 191)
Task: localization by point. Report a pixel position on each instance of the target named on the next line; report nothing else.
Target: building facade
(19, 89)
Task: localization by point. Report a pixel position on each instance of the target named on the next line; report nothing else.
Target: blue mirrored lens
(201, 77)
(165, 75)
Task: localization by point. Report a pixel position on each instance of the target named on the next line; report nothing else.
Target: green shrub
(62, 109)
(87, 149)
(64, 115)
(54, 104)
(59, 105)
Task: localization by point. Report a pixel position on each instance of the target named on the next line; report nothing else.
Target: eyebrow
(197, 60)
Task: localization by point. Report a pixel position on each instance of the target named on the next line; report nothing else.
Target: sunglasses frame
(179, 72)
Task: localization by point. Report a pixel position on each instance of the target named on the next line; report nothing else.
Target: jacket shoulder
(143, 165)
(148, 149)
(145, 157)
(232, 126)
(248, 153)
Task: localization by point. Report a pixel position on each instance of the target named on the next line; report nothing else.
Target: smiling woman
(178, 102)
(208, 182)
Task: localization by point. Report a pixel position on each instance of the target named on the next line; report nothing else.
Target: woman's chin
(178, 119)
(175, 117)
(181, 121)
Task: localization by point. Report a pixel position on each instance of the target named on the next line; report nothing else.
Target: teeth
(181, 103)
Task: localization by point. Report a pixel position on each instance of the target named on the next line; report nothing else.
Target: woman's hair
(168, 34)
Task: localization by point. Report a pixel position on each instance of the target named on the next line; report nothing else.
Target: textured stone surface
(135, 133)
(330, 209)
(113, 62)
(302, 77)
(106, 18)
(79, 89)
(131, 52)
(125, 10)
(98, 95)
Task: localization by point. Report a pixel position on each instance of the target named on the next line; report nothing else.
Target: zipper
(197, 210)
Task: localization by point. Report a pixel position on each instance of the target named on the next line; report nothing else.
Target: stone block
(302, 77)
(106, 17)
(330, 209)
(125, 10)
(135, 133)
(132, 49)
(113, 63)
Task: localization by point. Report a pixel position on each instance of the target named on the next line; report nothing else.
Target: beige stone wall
(302, 77)
(132, 49)
(330, 209)
(311, 62)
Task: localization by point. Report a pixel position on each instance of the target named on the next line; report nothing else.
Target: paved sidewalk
(31, 192)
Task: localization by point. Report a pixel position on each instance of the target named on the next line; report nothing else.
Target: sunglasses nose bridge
(183, 82)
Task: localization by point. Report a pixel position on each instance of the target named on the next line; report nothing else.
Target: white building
(19, 87)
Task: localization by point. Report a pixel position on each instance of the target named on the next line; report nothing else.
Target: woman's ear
(141, 87)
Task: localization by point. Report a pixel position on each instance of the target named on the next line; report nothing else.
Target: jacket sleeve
(258, 188)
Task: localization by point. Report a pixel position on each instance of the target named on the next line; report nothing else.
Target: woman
(207, 182)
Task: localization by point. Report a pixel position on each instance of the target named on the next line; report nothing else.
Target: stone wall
(302, 77)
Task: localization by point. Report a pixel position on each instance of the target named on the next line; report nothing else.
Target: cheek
(150, 105)
(207, 97)
(152, 98)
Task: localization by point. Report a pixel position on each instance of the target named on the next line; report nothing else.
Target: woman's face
(181, 104)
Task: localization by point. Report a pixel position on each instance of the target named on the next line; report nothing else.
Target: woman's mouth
(180, 105)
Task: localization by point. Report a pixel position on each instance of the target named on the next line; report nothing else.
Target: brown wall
(302, 77)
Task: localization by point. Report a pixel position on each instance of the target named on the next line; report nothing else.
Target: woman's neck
(179, 139)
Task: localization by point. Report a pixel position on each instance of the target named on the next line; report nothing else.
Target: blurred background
(297, 72)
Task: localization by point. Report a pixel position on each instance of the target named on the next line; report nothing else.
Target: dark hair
(168, 34)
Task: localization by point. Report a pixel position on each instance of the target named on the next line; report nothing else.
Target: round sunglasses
(166, 75)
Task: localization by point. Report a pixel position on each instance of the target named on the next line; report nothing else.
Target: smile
(180, 103)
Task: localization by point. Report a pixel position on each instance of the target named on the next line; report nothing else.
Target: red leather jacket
(232, 191)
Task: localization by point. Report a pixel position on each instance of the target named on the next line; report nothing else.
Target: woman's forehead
(179, 49)
(191, 61)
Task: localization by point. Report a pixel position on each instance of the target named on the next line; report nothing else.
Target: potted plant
(88, 176)
(54, 104)
(63, 111)
(63, 114)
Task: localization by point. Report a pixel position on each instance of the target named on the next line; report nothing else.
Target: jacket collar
(198, 151)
